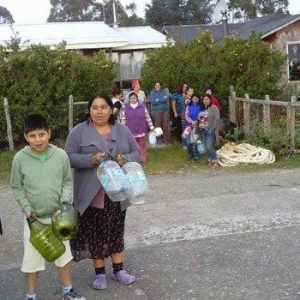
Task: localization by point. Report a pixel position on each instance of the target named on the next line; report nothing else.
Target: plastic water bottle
(152, 138)
(44, 240)
(113, 180)
(194, 136)
(200, 147)
(137, 181)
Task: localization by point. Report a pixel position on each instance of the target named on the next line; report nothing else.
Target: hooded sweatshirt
(40, 185)
(159, 100)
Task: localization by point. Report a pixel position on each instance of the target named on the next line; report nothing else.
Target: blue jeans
(209, 140)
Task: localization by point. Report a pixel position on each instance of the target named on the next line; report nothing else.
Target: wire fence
(61, 119)
(256, 118)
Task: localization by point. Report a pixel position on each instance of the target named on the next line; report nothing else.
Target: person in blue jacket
(159, 99)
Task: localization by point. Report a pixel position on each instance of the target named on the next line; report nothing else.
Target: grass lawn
(5, 163)
(169, 159)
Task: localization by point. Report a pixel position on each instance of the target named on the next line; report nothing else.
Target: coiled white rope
(232, 154)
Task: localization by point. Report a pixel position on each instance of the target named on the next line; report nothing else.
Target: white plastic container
(200, 147)
(152, 138)
(113, 180)
(137, 181)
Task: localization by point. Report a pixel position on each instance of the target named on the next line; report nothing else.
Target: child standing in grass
(191, 115)
(41, 180)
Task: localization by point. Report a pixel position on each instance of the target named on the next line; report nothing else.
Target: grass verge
(170, 159)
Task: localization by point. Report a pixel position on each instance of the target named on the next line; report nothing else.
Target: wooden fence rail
(266, 104)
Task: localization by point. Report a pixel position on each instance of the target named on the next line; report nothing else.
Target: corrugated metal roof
(142, 37)
(84, 35)
(77, 35)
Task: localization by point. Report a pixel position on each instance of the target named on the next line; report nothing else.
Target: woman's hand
(121, 159)
(96, 158)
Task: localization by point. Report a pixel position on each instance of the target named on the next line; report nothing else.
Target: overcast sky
(37, 11)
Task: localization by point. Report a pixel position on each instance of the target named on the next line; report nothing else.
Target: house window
(294, 60)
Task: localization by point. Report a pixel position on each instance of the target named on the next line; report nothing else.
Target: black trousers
(177, 128)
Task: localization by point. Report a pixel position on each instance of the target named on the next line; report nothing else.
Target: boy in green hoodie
(40, 180)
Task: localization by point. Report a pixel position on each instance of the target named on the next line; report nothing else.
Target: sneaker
(72, 295)
(100, 282)
(124, 277)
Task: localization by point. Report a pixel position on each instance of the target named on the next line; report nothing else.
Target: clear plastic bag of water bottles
(113, 180)
(137, 180)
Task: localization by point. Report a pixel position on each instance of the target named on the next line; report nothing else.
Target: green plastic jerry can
(44, 240)
(65, 222)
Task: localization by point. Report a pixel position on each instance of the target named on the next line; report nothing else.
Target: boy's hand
(29, 214)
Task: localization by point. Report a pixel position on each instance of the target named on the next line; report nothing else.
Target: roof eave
(280, 27)
(79, 46)
(140, 46)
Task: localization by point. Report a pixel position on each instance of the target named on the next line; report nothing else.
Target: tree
(5, 16)
(176, 12)
(39, 79)
(90, 10)
(133, 20)
(249, 65)
(131, 7)
(108, 11)
(243, 10)
(76, 10)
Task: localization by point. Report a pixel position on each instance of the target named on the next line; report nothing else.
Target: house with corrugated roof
(280, 31)
(125, 45)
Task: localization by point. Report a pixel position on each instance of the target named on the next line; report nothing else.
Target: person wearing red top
(214, 100)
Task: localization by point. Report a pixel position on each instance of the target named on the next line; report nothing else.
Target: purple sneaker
(100, 282)
(124, 277)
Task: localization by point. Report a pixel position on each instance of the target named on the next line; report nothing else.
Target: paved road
(207, 235)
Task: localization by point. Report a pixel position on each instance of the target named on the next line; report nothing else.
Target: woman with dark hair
(209, 118)
(137, 118)
(101, 229)
(178, 109)
(117, 101)
(214, 100)
(160, 109)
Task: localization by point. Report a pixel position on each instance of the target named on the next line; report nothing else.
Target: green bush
(40, 80)
(277, 140)
(250, 66)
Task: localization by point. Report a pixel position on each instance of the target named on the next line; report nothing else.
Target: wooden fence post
(266, 114)
(291, 122)
(8, 125)
(247, 107)
(232, 107)
(71, 112)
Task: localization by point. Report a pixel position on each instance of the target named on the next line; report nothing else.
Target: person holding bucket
(101, 228)
(41, 180)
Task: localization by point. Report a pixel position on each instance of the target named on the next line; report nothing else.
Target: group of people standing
(41, 173)
(192, 114)
(133, 112)
(197, 115)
